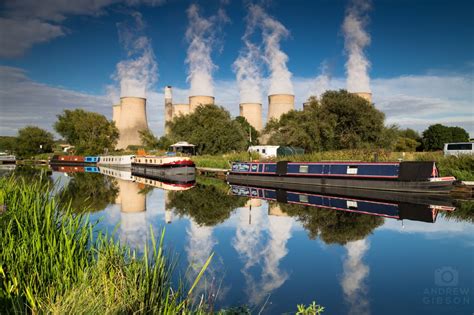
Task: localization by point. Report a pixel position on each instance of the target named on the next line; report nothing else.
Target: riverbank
(52, 261)
(460, 167)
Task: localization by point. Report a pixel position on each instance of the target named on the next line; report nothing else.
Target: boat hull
(303, 183)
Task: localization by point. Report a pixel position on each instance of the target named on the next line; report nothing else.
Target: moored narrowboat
(116, 160)
(73, 159)
(162, 161)
(387, 209)
(395, 176)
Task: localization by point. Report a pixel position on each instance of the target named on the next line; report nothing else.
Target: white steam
(201, 36)
(321, 82)
(247, 65)
(355, 272)
(355, 41)
(139, 71)
(272, 33)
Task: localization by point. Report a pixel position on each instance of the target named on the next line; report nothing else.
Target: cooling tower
(254, 203)
(180, 110)
(132, 120)
(253, 113)
(279, 104)
(274, 209)
(116, 109)
(198, 100)
(131, 199)
(365, 95)
(168, 107)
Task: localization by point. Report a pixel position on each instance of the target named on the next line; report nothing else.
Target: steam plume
(355, 40)
(139, 72)
(201, 34)
(247, 65)
(355, 272)
(272, 33)
(321, 82)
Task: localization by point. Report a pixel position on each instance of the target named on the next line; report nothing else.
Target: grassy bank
(460, 167)
(51, 261)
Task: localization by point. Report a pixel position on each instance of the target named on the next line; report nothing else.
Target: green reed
(52, 261)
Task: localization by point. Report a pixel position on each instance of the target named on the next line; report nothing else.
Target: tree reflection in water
(89, 191)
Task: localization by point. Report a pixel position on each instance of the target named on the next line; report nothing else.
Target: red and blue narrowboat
(394, 176)
(73, 159)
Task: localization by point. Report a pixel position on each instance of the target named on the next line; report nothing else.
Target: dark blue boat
(397, 176)
(388, 209)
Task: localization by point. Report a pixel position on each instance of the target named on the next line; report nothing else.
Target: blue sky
(416, 46)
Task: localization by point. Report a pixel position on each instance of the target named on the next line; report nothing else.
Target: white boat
(7, 159)
(116, 160)
(162, 161)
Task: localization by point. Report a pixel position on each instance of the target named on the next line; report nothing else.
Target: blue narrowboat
(388, 209)
(398, 176)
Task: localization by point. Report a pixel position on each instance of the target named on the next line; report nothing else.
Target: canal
(272, 256)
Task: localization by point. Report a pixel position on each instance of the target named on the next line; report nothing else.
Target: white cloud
(29, 22)
(410, 101)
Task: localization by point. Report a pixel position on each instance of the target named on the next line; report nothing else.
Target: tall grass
(52, 262)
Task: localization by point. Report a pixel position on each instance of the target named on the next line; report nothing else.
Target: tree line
(338, 120)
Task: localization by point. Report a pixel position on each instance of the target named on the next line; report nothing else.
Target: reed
(53, 261)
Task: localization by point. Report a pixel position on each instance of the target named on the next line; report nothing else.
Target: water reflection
(354, 277)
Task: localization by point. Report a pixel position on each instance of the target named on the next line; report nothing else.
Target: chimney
(168, 107)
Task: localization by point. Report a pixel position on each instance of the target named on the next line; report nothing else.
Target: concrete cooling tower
(365, 95)
(279, 104)
(168, 107)
(180, 110)
(132, 120)
(198, 100)
(129, 196)
(253, 113)
(116, 109)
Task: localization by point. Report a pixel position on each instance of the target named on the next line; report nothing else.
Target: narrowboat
(124, 174)
(177, 183)
(419, 177)
(386, 209)
(7, 159)
(74, 169)
(73, 159)
(116, 160)
(162, 161)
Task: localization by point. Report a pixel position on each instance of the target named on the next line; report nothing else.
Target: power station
(130, 118)
(253, 113)
(279, 104)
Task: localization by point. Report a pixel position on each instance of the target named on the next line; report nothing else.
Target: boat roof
(182, 144)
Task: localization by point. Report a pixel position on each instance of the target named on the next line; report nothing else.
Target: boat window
(304, 198)
(352, 205)
(264, 151)
(460, 146)
(303, 168)
(352, 170)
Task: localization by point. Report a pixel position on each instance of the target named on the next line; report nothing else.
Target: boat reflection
(426, 210)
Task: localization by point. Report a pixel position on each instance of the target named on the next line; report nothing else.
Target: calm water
(275, 256)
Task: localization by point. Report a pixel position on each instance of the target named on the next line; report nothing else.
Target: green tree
(358, 123)
(211, 129)
(458, 134)
(7, 144)
(88, 132)
(340, 120)
(33, 140)
(435, 136)
(249, 130)
(149, 140)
